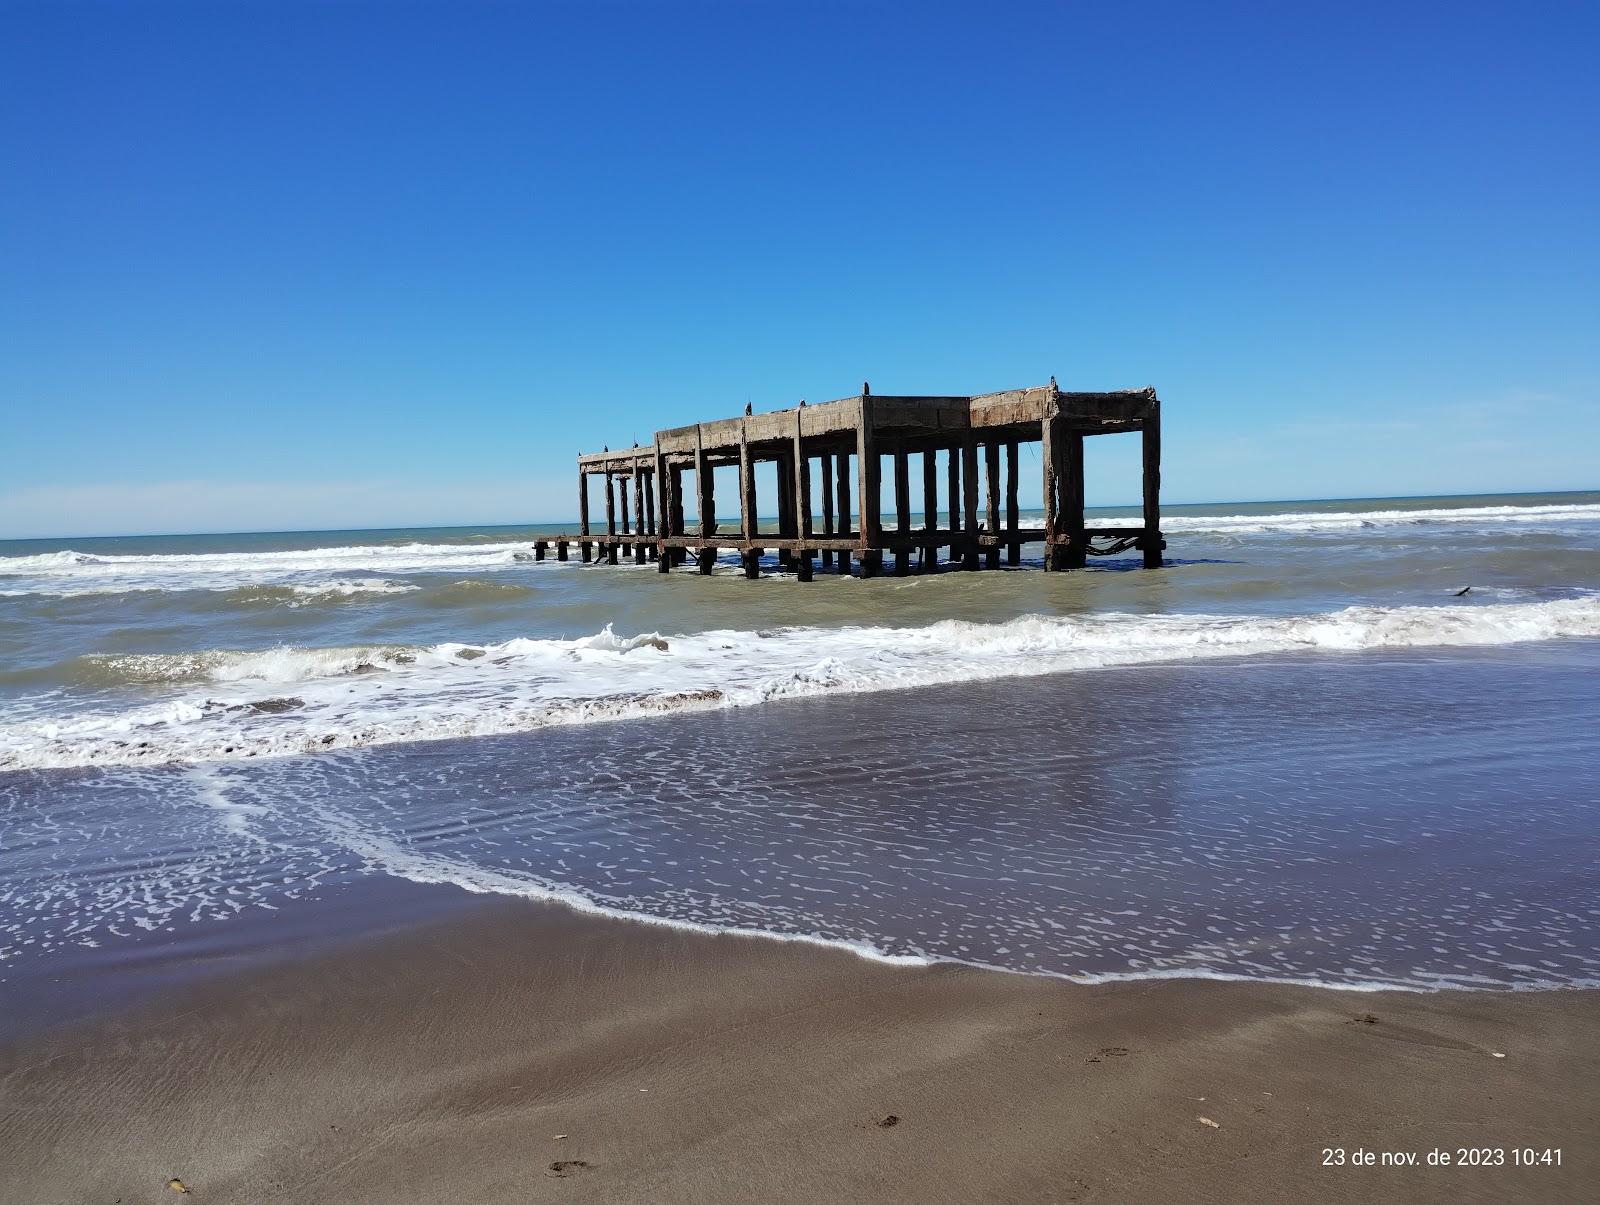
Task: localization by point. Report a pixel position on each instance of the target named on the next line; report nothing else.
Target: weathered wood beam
(930, 508)
(583, 501)
(611, 508)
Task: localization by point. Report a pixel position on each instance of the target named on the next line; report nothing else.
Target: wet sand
(520, 1052)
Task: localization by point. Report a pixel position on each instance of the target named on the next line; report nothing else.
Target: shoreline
(443, 1058)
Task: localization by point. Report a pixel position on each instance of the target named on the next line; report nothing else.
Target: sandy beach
(522, 1052)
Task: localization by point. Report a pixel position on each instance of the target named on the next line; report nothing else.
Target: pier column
(902, 508)
(827, 505)
(583, 513)
(705, 489)
(1152, 488)
(1051, 453)
(787, 524)
(675, 516)
(953, 498)
(611, 507)
(844, 508)
(622, 506)
(930, 509)
(747, 505)
(638, 512)
(969, 499)
(991, 489)
(869, 479)
(1013, 512)
(801, 493)
(1076, 553)
(661, 502)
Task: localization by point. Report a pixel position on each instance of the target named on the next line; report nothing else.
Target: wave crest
(377, 695)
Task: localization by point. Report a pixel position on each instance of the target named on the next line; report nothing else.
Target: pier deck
(848, 441)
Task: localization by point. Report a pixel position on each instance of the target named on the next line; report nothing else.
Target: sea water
(1351, 743)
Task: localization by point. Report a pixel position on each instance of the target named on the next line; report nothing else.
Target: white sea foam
(306, 570)
(1372, 521)
(230, 705)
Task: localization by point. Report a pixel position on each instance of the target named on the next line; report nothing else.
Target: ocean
(1352, 743)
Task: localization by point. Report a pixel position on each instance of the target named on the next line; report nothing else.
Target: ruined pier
(832, 453)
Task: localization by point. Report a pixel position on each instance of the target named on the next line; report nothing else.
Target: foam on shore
(231, 705)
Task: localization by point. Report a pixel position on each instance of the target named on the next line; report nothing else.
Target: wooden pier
(848, 441)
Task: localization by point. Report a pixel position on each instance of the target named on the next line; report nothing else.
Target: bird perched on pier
(866, 388)
(605, 447)
(747, 411)
(636, 443)
(802, 403)
(1052, 384)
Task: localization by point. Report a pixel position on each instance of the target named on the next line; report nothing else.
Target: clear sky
(290, 265)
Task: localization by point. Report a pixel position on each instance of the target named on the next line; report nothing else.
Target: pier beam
(969, 500)
(1013, 512)
(561, 550)
(930, 508)
(611, 507)
(1152, 489)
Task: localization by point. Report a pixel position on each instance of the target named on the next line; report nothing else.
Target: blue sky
(284, 266)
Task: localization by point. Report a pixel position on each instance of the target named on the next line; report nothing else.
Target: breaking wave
(221, 705)
(307, 571)
(1373, 521)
